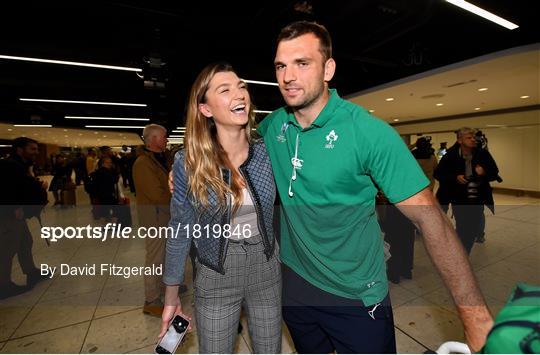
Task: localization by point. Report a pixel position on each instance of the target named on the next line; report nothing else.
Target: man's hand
(479, 170)
(171, 182)
(461, 179)
(450, 259)
(477, 325)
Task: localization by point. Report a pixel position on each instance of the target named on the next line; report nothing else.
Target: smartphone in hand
(176, 332)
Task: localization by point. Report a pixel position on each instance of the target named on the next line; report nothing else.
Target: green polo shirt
(329, 230)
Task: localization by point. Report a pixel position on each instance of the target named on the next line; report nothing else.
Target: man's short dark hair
(21, 142)
(300, 28)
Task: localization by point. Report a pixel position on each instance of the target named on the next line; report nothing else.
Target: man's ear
(205, 110)
(329, 69)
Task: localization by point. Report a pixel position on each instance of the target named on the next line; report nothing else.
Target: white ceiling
(508, 75)
(70, 137)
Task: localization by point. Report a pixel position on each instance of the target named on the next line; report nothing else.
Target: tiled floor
(93, 314)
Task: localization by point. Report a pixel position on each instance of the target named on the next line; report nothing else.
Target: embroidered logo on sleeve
(281, 136)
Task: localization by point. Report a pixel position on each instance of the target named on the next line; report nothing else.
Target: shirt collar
(325, 115)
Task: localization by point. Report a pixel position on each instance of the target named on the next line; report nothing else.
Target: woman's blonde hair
(204, 154)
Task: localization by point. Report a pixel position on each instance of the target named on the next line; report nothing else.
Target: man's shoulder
(141, 159)
(143, 162)
(275, 118)
(358, 114)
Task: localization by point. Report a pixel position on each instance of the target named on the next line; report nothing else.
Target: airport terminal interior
(83, 80)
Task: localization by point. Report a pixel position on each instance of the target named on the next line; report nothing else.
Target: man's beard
(309, 100)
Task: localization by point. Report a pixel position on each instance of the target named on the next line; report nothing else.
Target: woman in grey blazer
(223, 202)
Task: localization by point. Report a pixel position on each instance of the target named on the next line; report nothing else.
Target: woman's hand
(172, 308)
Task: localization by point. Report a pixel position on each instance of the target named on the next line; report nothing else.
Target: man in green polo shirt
(329, 158)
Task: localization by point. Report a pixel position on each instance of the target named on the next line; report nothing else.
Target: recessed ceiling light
(96, 132)
(371, 111)
(483, 13)
(439, 104)
(477, 108)
(65, 136)
(389, 99)
(80, 134)
(483, 89)
(10, 129)
(104, 136)
(524, 97)
(396, 119)
(65, 130)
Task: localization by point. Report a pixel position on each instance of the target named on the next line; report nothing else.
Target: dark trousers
(470, 223)
(320, 322)
(15, 238)
(399, 233)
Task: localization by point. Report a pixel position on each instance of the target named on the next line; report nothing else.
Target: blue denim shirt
(211, 251)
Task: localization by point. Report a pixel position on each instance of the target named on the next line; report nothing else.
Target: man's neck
(21, 158)
(306, 116)
(466, 151)
(235, 144)
(154, 149)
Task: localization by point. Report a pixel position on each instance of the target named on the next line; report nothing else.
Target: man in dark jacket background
(22, 196)
(464, 174)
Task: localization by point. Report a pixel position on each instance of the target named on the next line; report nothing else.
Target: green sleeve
(262, 128)
(390, 163)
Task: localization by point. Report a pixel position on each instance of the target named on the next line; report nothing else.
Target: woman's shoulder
(180, 156)
(259, 147)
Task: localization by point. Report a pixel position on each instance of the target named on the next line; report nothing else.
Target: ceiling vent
(460, 83)
(433, 96)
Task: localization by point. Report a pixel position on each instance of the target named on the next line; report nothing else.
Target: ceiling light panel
(65, 62)
(84, 102)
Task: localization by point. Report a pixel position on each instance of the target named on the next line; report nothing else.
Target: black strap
(519, 294)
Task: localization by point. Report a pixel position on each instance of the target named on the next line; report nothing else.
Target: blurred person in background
(22, 197)
(61, 175)
(150, 175)
(464, 174)
(105, 190)
(424, 155)
(79, 166)
(91, 161)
